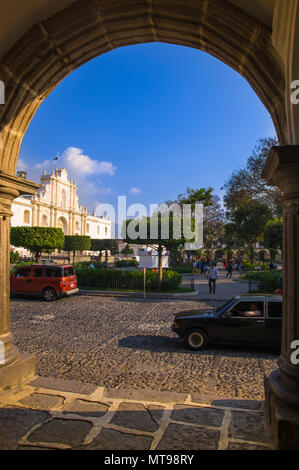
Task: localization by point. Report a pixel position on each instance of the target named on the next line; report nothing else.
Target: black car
(245, 319)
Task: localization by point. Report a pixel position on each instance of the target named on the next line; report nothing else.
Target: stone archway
(52, 49)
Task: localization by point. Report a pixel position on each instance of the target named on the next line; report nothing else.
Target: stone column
(6, 197)
(14, 366)
(282, 385)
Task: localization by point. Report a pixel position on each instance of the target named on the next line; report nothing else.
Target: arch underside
(52, 49)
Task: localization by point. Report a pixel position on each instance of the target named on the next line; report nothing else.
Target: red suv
(48, 281)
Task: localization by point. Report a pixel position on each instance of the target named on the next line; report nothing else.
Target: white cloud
(81, 168)
(78, 163)
(21, 165)
(135, 191)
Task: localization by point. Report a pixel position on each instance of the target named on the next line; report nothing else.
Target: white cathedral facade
(56, 204)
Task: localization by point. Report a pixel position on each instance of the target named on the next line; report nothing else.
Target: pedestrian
(229, 269)
(194, 267)
(105, 264)
(199, 263)
(202, 268)
(206, 269)
(213, 276)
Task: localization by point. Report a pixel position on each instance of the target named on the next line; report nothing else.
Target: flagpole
(56, 159)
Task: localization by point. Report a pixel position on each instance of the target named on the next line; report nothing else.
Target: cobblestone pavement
(50, 414)
(127, 344)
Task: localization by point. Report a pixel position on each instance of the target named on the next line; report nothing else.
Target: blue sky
(147, 122)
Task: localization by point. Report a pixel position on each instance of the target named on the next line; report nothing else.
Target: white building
(56, 204)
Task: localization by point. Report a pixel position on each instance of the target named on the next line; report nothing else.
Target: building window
(45, 221)
(63, 199)
(87, 228)
(98, 230)
(106, 231)
(26, 217)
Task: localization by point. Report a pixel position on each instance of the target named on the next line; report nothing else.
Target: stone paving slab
(32, 417)
(64, 385)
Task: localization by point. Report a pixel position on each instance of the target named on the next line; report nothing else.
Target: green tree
(273, 235)
(73, 243)
(103, 246)
(127, 250)
(213, 219)
(159, 242)
(248, 183)
(248, 223)
(14, 257)
(37, 240)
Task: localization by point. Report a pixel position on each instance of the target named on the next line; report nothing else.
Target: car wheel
(196, 339)
(49, 294)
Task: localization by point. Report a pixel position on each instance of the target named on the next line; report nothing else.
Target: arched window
(26, 217)
(98, 230)
(106, 231)
(45, 221)
(77, 226)
(87, 228)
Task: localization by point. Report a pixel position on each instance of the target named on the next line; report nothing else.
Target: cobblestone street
(128, 344)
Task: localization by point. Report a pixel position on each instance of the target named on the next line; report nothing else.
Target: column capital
(282, 170)
(7, 195)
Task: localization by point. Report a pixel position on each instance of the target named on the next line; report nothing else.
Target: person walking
(202, 268)
(194, 267)
(229, 269)
(212, 276)
(206, 269)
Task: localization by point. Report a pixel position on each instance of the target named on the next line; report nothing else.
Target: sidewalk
(225, 288)
(55, 414)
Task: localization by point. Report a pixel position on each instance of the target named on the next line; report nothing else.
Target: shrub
(14, 257)
(183, 269)
(37, 239)
(127, 263)
(133, 280)
(268, 281)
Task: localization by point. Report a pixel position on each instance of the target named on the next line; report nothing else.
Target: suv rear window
(69, 271)
(53, 271)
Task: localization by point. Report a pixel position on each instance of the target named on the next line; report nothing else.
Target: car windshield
(224, 307)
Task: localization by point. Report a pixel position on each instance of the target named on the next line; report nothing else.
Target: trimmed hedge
(127, 263)
(132, 280)
(268, 280)
(183, 269)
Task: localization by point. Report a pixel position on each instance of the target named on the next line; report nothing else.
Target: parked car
(50, 281)
(244, 319)
(47, 261)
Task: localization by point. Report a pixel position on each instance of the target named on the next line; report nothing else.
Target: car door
(21, 281)
(238, 328)
(37, 279)
(274, 323)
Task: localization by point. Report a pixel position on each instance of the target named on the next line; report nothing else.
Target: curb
(137, 295)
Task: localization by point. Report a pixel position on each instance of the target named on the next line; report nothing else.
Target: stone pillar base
(18, 372)
(282, 419)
